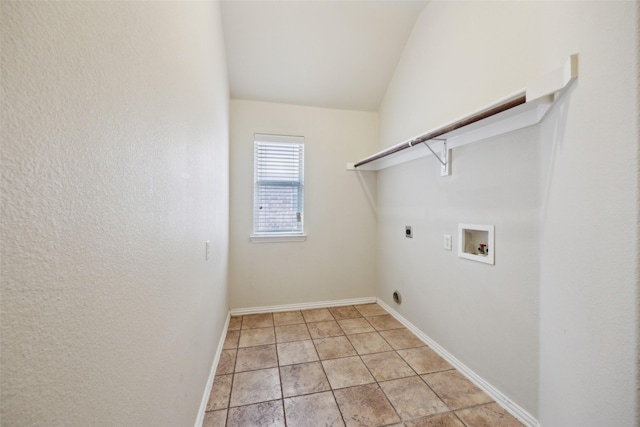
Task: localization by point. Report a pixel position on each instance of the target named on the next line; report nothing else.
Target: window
(278, 199)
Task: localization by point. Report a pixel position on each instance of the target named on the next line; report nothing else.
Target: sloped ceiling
(328, 53)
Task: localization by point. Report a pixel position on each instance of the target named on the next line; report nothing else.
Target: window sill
(277, 238)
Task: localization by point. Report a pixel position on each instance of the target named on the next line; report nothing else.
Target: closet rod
(498, 108)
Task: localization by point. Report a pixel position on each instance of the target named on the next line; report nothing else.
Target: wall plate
(447, 242)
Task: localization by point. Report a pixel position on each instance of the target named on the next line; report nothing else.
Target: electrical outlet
(447, 242)
(407, 232)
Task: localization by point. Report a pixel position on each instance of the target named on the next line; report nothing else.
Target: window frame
(261, 236)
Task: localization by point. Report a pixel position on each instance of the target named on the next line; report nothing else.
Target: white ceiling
(325, 53)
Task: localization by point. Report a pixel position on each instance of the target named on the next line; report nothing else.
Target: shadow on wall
(368, 183)
(552, 138)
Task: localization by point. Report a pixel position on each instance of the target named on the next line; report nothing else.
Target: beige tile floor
(341, 366)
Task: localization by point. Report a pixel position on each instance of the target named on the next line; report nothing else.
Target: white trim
(212, 374)
(269, 166)
(513, 408)
(287, 139)
(302, 306)
(515, 118)
(491, 242)
(539, 94)
(555, 81)
(277, 238)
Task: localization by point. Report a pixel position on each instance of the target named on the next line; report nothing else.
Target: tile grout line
(284, 409)
(394, 350)
(253, 370)
(421, 376)
(275, 344)
(233, 374)
(324, 370)
(366, 367)
(377, 382)
(418, 375)
(402, 420)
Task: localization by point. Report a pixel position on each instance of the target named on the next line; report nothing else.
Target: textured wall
(337, 260)
(589, 232)
(114, 174)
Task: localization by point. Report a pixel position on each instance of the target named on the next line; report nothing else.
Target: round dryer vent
(397, 298)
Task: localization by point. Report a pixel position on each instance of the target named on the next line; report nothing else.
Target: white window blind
(279, 185)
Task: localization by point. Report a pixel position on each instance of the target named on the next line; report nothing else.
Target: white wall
(337, 260)
(114, 174)
(457, 61)
(589, 233)
(461, 56)
(553, 324)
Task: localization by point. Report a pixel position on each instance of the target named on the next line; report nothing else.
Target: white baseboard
(212, 374)
(515, 410)
(302, 306)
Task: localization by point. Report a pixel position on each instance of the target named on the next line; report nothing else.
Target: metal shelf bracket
(444, 156)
